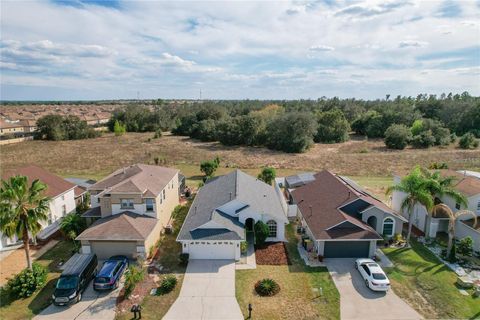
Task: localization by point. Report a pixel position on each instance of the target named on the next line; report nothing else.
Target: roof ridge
(127, 218)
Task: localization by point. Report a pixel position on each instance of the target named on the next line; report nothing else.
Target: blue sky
(94, 49)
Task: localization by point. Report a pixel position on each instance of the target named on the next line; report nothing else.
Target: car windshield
(67, 283)
(378, 276)
(102, 280)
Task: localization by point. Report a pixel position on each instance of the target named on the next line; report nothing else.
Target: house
(62, 199)
(81, 188)
(131, 206)
(467, 183)
(340, 218)
(10, 128)
(224, 209)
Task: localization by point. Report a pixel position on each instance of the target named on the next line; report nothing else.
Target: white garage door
(217, 250)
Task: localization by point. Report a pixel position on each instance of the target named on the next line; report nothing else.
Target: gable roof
(55, 185)
(226, 193)
(147, 180)
(320, 202)
(123, 226)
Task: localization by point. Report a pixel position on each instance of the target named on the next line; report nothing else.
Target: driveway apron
(208, 292)
(359, 302)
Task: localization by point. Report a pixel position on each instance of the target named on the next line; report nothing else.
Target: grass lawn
(296, 299)
(428, 285)
(27, 308)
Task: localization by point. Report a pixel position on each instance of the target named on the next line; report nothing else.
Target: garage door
(346, 249)
(106, 249)
(218, 250)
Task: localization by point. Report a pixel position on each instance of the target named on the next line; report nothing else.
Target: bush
(291, 132)
(167, 285)
(267, 287)
(468, 141)
(397, 136)
(158, 134)
(267, 175)
(423, 140)
(261, 232)
(119, 128)
(25, 283)
(184, 259)
(244, 247)
(437, 165)
(452, 257)
(465, 246)
(133, 275)
(332, 127)
(208, 167)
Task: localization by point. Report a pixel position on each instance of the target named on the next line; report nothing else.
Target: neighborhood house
(62, 199)
(339, 218)
(130, 208)
(224, 209)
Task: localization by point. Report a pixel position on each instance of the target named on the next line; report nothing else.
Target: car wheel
(367, 284)
(79, 297)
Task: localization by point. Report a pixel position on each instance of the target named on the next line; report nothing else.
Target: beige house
(131, 207)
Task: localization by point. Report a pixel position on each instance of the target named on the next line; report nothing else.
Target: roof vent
(195, 210)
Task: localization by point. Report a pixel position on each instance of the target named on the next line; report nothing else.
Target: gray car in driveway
(359, 302)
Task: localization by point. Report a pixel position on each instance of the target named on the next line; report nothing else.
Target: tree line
(293, 126)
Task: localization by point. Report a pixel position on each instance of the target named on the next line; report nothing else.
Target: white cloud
(412, 43)
(320, 48)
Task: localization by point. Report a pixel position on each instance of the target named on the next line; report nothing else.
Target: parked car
(109, 276)
(76, 275)
(374, 277)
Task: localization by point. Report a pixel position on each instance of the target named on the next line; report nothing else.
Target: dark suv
(109, 276)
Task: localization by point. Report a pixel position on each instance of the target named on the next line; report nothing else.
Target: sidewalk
(248, 262)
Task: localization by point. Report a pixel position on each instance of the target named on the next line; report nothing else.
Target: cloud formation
(92, 49)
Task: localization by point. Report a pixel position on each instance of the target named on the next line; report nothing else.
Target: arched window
(272, 228)
(388, 227)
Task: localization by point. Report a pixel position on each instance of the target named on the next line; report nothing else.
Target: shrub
(25, 283)
(261, 232)
(332, 127)
(119, 128)
(208, 167)
(465, 246)
(158, 134)
(397, 136)
(452, 257)
(267, 175)
(243, 247)
(133, 275)
(184, 259)
(423, 140)
(468, 141)
(437, 165)
(267, 287)
(167, 285)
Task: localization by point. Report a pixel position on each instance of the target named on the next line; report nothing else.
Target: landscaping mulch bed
(274, 254)
(141, 290)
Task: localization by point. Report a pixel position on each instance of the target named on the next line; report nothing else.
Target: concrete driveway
(208, 292)
(94, 305)
(359, 302)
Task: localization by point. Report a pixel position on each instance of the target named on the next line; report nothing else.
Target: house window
(63, 197)
(149, 204)
(457, 206)
(64, 210)
(388, 227)
(272, 228)
(126, 203)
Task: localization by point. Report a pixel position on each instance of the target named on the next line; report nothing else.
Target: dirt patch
(274, 254)
(141, 290)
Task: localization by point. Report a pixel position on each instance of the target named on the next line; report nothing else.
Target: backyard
(305, 292)
(428, 285)
(26, 308)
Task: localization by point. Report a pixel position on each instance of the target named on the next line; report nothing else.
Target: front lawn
(428, 285)
(27, 308)
(305, 292)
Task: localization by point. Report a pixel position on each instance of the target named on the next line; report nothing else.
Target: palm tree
(452, 219)
(415, 186)
(440, 186)
(22, 208)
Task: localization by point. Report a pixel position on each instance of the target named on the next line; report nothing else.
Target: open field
(367, 161)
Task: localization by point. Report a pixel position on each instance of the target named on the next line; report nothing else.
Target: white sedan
(374, 277)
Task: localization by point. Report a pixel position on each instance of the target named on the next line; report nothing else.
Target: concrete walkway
(249, 262)
(359, 302)
(208, 292)
(94, 305)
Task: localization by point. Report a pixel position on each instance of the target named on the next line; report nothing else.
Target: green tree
(208, 167)
(261, 232)
(50, 127)
(72, 225)
(415, 186)
(333, 127)
(22, 209)
(468, 141)
(465, 246)
(267, 175)
(397, 136)
(423, 140)
(291, 132)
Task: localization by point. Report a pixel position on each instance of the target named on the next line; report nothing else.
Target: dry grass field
(367, 161)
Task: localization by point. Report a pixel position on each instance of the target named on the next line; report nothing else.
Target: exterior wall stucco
(463, 231)
(381, 216)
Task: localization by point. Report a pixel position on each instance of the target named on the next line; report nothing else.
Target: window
(64, 210)
(63, 197)
(478, 207)
(126, 203)
(149, 204)
(457, 206)
(272, 228)
(388, 227)
(164, 194)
